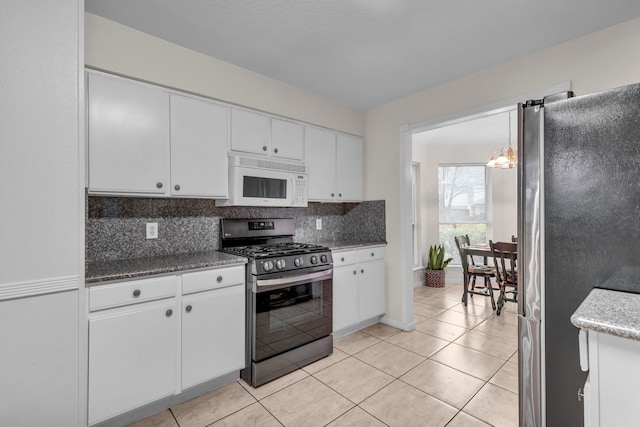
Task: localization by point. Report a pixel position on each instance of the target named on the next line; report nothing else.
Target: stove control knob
(298, 262)
(280, 264)
(267, 265)
(323, 258)
(314, 259)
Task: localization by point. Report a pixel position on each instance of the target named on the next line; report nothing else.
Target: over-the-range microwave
(263, 181)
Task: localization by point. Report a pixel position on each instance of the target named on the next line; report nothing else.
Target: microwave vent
(268, 164)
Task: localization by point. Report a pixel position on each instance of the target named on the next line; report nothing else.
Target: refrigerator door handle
(530, 208)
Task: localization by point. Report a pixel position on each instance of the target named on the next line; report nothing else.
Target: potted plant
(434, 275)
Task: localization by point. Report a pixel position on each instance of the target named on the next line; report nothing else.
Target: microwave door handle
(263, 285)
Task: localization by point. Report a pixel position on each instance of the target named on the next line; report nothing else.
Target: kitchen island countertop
(611, 312)
(100, 272)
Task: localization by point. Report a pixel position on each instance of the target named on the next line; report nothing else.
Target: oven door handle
(283, 282)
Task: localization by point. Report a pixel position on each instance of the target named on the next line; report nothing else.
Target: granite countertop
(100, 272)
(612, 312)
(336, 245)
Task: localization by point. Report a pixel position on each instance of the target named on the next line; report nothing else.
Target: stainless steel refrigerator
(579, 223)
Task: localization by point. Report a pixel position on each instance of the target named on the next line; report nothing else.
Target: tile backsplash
(115, 227)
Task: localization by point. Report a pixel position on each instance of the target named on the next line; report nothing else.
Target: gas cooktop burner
(276, 249)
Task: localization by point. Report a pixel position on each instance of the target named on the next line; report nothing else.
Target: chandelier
(504, 158)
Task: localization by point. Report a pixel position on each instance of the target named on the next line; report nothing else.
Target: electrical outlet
(319, 224)
(152, 230)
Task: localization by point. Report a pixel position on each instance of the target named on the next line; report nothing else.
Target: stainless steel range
(289, 296)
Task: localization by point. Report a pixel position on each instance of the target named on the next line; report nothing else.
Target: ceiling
(364, 53)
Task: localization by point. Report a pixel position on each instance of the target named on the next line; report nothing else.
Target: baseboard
(408, 327)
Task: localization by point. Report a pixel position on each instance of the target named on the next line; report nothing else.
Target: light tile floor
(457, 368)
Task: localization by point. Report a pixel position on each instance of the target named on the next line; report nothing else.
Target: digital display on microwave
(264, 188)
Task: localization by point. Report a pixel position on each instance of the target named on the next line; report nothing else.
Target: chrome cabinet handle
(264, 148)
(275, 150)
(219, 279)
(339, 194)
(177, 187)
(169, 313)
(136, 293)
(159, 185)
(188, 308)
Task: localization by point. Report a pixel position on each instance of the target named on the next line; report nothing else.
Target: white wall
(502, 193)
(595, 62)
(112, 47)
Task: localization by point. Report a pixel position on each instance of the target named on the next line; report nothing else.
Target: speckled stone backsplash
(116, 225)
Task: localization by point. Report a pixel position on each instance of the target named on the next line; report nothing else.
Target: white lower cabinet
(140, 329)
(359, 287)
(345, 297)
(610, 397)
(132, 357)
(39, 360)
(213, 333)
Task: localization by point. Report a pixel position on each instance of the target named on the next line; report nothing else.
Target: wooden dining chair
(505, 259)
(473, 271)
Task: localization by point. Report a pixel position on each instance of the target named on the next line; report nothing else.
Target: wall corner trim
(38, 287)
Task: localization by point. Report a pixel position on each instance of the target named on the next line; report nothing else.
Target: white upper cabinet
(320, 152)
(287, 139)
(349, 168)
(128, 136)
(199, 144)
(256, 133)
(146, 140)
(249, 132)
(335, 163)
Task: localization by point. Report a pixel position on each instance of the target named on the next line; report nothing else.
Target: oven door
(291, 311)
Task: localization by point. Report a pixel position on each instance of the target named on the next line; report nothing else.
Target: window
(463, 207)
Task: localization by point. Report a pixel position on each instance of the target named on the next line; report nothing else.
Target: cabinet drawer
(116, 294)
(212, 279)
(371, 254)
(344, 258)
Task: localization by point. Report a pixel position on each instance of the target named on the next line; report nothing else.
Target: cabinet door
(249, 132)
(372, 292)
(213, 334)
(287, 139)
(349, 169)
(345, 297)
(320, 154)
(39, 360)
(199, 145)
(132, 357)
(128, 137)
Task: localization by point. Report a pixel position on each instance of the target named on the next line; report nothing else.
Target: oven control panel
(291, 262)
